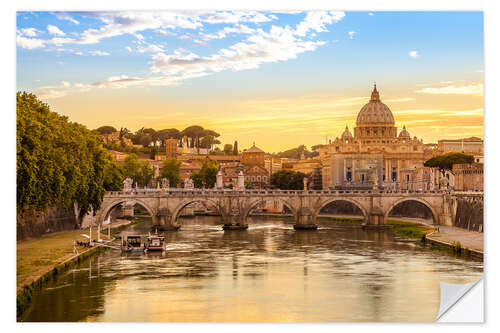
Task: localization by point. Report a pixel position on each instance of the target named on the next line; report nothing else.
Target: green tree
(146, 173)
(170, 133)
(194, 133)
(58, 162)
(446, 161)
(170, 169)
(296, 152)
(206, 178)
(288, 180)
(228, 149)
(141, 172)
(106, 130)
(113, 177)
(197, 179)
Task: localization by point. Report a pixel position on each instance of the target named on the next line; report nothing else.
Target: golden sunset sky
(279, 79)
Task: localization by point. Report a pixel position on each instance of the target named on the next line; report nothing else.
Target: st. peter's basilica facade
(376, 156)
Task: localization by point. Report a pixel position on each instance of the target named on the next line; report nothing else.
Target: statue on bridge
(373, 177)
(443, 183)
(188, 184)
(127, 184)
(165, 183)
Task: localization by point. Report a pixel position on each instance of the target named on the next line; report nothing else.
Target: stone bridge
(234, 206)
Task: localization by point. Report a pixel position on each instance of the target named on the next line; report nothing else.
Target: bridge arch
(205, 201)
(352, 201)
(105, 211)
(253, 204)
(435, 219)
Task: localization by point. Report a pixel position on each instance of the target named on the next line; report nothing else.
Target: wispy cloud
(275, 45)
(53, 30)
(470, 89)
(98, 53)
(66, 17)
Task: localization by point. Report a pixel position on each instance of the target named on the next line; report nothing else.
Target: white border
(492, 141)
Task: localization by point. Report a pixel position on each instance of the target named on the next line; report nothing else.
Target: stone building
(468, 177)
(470, 146)
(376, 156)
(253, 156)
(230, 173)
(254, 167)
(307, 165)
(171, 148)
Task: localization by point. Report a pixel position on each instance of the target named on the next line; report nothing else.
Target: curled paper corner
(455, 303)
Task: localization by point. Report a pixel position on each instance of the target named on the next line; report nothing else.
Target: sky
(279, 79)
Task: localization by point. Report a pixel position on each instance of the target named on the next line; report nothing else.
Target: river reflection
(267, 273)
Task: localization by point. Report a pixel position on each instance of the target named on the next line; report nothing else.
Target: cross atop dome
(375, 95)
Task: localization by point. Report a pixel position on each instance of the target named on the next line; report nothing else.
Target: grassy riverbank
(409, 230)
(348, 220)
(37, 256)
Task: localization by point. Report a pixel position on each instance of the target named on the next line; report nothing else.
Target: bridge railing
(269, 192)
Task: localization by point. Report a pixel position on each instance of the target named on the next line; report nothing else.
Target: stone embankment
(458, 239)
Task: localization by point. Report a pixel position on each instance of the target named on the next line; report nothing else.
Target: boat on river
(155, 242)
(132, 243)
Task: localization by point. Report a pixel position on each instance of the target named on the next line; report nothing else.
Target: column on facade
(387, 170)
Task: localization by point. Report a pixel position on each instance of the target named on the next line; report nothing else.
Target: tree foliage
(106, 130)
(58, 162)
(446, 161)
(206, 178)
(113, 177)
(141, 172)
(170, 169)
(288, 180)
(296, 153)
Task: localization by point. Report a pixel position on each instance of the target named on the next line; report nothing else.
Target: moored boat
(155, 242)
(132, 243)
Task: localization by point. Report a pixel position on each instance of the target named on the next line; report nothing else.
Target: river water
(267, 273)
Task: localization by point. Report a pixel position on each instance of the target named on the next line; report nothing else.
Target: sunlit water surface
(267, 273)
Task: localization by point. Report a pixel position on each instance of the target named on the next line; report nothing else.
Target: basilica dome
(404, 133)
(375, 112)
(347, 135)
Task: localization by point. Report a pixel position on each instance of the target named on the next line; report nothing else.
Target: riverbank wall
(455, 246)
(31, 223)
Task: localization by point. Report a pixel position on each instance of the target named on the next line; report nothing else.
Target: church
(376, 156)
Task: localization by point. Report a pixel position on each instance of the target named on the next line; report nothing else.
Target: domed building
(376, 156)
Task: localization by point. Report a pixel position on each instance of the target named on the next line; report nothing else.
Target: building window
(337, 148)
(258, 178)
(264, 178)
(415, 148)
(253, 178)
(362, 178)
(394, 176)
(348, 176)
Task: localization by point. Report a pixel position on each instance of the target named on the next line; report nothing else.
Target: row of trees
(198, 137)
(58, 162)
(298, 152)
